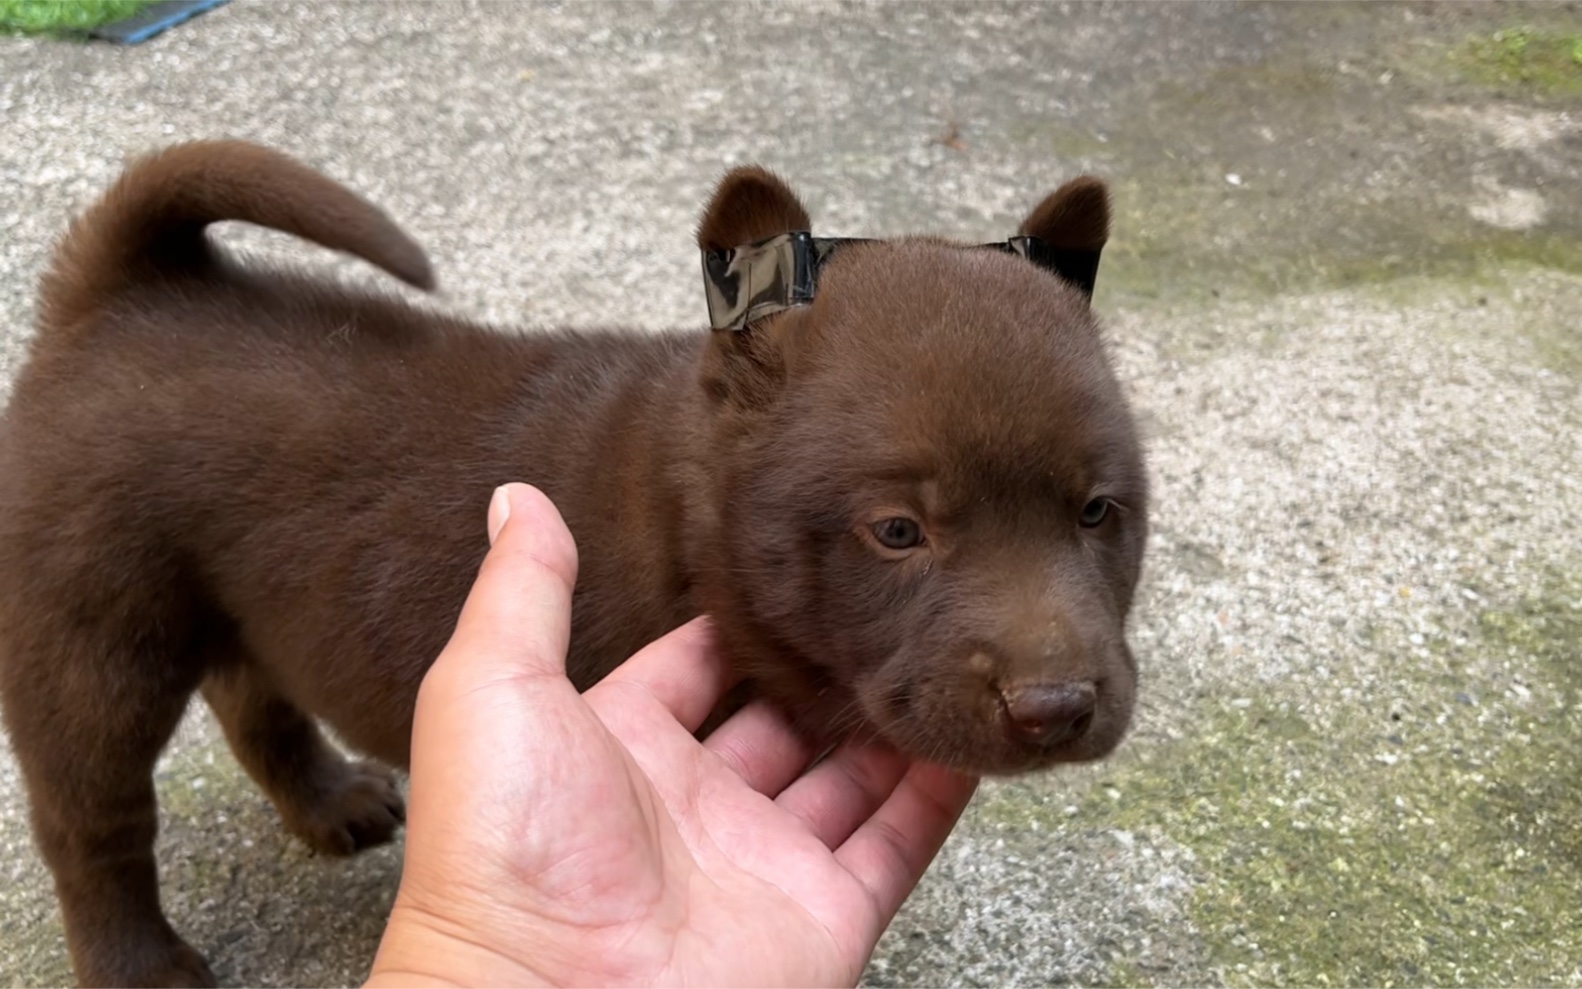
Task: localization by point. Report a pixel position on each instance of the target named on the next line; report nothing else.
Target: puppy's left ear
(746, 369)
(751, 204)
(1069, 229)
(1075, 217)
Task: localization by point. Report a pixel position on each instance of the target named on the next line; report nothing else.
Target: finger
(890, 851)
(684, 670)
(844, 790)
(517, 619)
(758, 744)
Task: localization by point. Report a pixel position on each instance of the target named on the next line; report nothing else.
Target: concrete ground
(1344, 289)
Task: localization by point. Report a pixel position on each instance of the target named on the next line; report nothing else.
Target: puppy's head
(930, 503)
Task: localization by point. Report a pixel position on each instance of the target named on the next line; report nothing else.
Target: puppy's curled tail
(151, 222)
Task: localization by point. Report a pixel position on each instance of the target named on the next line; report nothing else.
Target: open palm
(590, 839)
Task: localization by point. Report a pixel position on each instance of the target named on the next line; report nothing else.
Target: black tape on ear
(745, 284)
(1080, 268)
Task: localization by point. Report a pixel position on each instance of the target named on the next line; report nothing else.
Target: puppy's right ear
(751, 204)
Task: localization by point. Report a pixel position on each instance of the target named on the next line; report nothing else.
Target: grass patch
(1524, 58)
(63, 17)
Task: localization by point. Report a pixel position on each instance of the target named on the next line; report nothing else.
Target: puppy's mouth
(990, 733)
(983, 757)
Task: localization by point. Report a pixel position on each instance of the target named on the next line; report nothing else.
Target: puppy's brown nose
(1050, 713)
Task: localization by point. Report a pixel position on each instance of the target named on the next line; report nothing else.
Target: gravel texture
(1343, 289)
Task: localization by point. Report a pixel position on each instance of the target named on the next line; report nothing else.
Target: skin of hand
(557, 839)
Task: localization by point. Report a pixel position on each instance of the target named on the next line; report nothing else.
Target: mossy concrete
(1439, 843)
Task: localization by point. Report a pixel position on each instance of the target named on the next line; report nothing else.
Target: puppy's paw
(167, 961)
(353, 807)
(186, 968)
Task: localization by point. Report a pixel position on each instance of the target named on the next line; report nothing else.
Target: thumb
(517, 619)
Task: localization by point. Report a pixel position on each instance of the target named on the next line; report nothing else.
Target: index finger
(684, 670)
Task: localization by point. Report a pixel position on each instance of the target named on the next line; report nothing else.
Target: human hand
(557, 838)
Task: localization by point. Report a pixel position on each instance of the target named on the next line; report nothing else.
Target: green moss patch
(61, 17)
(1342, 843)
(1525, 59)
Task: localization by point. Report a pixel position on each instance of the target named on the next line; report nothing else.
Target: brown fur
(270, 489)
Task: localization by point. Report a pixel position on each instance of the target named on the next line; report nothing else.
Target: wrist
(420, 948)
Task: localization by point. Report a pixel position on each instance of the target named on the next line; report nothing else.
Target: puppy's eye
(1094, 512)
(898, 533)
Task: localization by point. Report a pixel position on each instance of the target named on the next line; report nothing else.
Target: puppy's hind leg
(335, 806)
(89, 707)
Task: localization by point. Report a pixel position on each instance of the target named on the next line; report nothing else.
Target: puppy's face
(931, 498)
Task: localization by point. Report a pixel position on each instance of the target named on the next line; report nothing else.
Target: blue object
(151, 20)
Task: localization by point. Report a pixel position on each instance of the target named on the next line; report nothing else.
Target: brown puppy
(915, 507)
